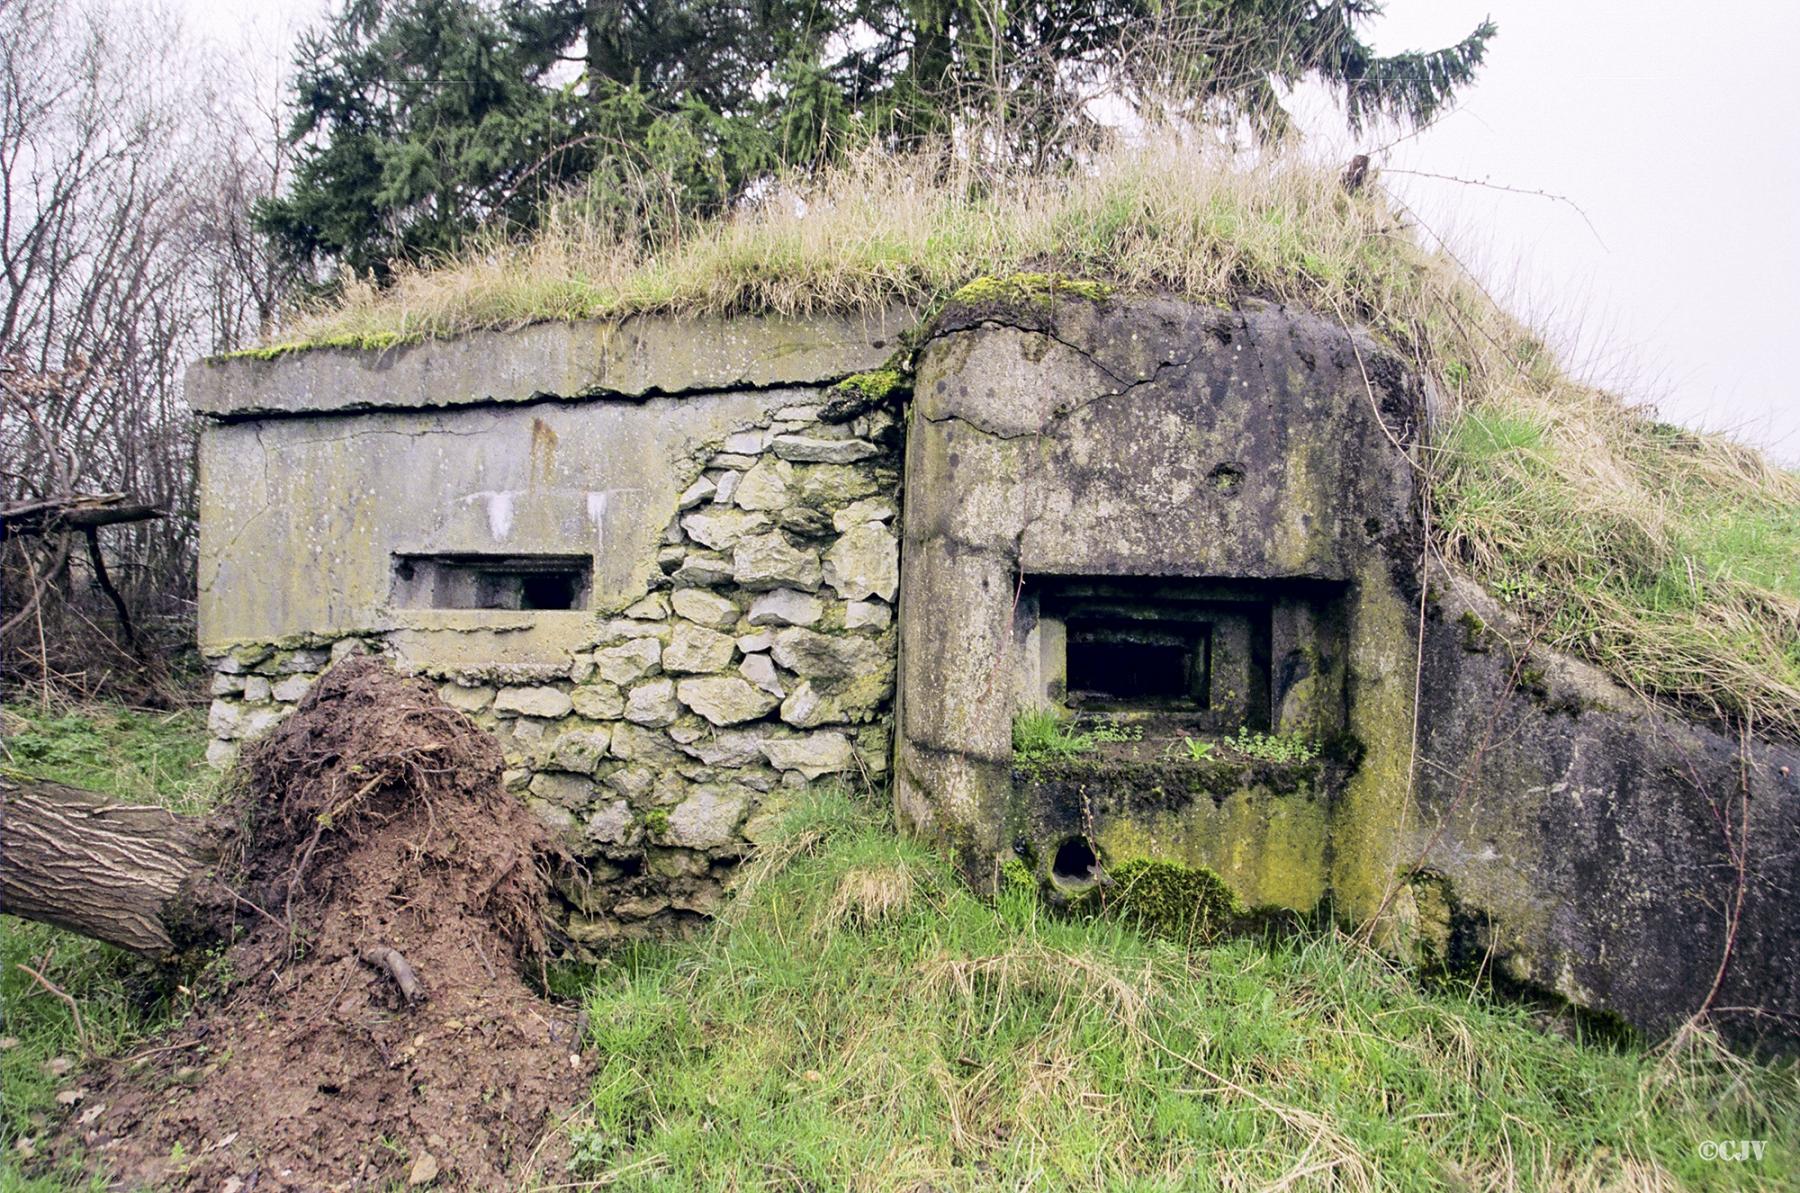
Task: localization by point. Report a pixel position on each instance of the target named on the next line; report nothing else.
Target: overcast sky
(1673, 129)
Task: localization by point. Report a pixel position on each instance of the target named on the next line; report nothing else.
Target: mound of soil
(376, 1028)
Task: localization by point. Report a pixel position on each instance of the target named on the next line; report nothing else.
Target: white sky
(1674, 127)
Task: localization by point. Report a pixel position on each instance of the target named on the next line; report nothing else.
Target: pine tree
(421, 120)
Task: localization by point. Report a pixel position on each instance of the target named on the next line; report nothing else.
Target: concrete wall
(736, 640)
(1568, 836)
(1153, 438)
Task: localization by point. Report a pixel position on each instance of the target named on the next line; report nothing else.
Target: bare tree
(127, 170)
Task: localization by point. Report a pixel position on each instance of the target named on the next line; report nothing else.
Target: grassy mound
(858, 1020)
(1672, 559)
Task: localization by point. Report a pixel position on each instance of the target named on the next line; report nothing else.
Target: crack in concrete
(535, 398)
(1062, 414)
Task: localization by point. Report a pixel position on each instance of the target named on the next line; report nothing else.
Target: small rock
(867, 615)
(257, 689)
(864, 562)
(736, 460)
(291, 689)
(759, 669)
(798, 414)
(727, 487)
(870, 509)
(258, 721)
(225, 718)
(802, 448)
(707, 819)
(784, 606)
(598, 702)
(652, 703)
(746, 443)
(696, 649)
(612, 824)
(563, 790)
(579, 750)
(769, 561)
(702, 569)
(752, 643)
(305, 660)
(728, 747)
(227, 685)
(628, 661)
(826, 656)
(721, 528)
(724, 699)
(654, 607)
(764, 487)
(696, 493)
(220, 755)
(533, 702)
(463, 699)
(806, 707)
(812, 755)
(424, 1170)
(707, 608)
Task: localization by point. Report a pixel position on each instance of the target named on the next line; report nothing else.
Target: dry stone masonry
(684, 568)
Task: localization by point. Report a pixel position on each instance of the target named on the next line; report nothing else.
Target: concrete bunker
(672, 566)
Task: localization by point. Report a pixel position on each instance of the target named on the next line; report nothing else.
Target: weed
(1044, 735)
(1196, 749)
(1283, 748)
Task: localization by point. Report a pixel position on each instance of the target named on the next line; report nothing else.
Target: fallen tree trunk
(127, 874)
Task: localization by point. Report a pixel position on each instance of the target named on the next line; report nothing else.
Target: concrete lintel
(640, 356)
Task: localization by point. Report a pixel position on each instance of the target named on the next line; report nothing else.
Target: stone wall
(738, 640)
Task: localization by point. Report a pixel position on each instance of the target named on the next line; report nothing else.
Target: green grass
(152, 757)
(1666, 557)
(1045, 735)
(859, 1020)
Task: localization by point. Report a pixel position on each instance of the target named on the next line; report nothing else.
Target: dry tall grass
(1670, 558)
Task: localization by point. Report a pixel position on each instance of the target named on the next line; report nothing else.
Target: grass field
(857, 1019)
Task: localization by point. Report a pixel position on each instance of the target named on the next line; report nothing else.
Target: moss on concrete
(1165, 898)
(1033, 288)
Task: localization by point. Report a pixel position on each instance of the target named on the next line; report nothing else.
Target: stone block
(706, 608)
(533, 702)
(724, 699)
(786, 607)
(697, 650)
(652, 703)
(766, 561)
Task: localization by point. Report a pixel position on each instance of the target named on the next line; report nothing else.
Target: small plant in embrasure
(1198, 750)
(1044, 734)
(1273, 747)
(1115, 731)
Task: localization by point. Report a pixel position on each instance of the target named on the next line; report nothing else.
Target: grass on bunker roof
(1668, 557)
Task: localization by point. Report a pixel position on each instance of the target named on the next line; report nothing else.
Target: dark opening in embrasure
(1074, 861)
